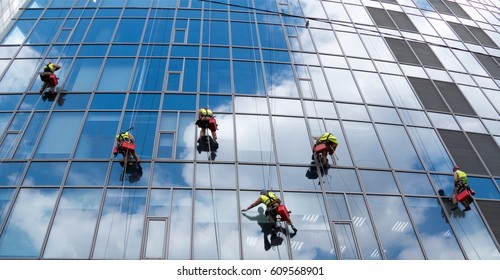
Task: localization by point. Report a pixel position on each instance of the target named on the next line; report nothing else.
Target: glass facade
(410, 88)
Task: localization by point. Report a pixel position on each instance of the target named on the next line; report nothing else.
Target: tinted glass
(37, 174)
(378, 182)
(87, 174)
(98, 128)
(179, 247)
(399, 148)
(62, 129)
(365, 146)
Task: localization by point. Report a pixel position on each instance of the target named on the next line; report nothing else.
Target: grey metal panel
(403, 21)
(440, 7)
(463, 33)
(490, 213)
(402, 51)
(490, 64)
(381, 17)
(457, 10)
(462, 151)
(454, 97)
(482, 36)
(488, 150)
(428, 94)
(426, 55)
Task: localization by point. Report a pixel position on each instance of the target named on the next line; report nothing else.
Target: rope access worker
(331, 144)
(206, 120)
(460, 183)
(272, 203)
(127, 137)
(49, 78)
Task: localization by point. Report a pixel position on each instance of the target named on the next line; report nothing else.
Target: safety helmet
(263, 192)
(456, 168)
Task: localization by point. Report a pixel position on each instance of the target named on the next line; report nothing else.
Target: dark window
(426, 55)
(463, 33)
(454, 97)
(428, 94)
(403, 21)
(381, 18)
(490, 213)
(489, 64)
(462, 152)
(488, 150)
(402, 51)
(440, 6)
(457, 10)
(482, 36)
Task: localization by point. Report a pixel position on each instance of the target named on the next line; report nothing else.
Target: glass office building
(409, 88)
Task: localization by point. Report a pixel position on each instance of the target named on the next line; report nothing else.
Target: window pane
(384, 114)
(338, 207)
(129, 30)
(249, 29)
(394, 228)
(178, 245)
(59, 137)
(19, 75)
(291, 140)
(257, 176)
(159, 203)
(121, 225)
(155, 243)
(346, 242)
(215, 226)
(9, 102)
(436, 234)
(363, 228)
(18, 240)
(135, 179)
(99, 128)
(87, 174)
(73, 229)
(415, 183)
(44, 32)
(101, 30)
(27, 143)
(206, 176)
(144, 131)
(19, 32)
(116, 74)
(353, 112)
(401, 92)
(215, 76)
(186, 136)
(365, 146)
(167, 175)
(37, 174)
(5, 200)
(484, 188)
(430, 149)
(165, 145)
(372, 88)
(248, 78)
(83, 74)
(399, 148)
(108, 101)
(11, 172)
(280, 80)
(342, 85)
(250, 147)
(378, 182)
(149, 74)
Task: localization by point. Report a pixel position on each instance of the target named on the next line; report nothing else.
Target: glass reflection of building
(409, 88)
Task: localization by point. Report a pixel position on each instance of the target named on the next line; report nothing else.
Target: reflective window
(479, 102)
(165, 145)
(377, 48)
(254, 141)
(74, 224)
(167, 175)
(144, 131)
(18, 239)
(248, 78)
(286, 107)
(288, 140)
(83, 74)
(399, 149)
(98, 128)
(342, 85)
(179, 247)
(352, 44)
(271, 36)
(363, 228)
(471, 124)
(257, 177)
(325, 41)
(135, 179)
(443, 121)
(338, 207)
(179, 102)
(146, 101)
(431, 149)
(414, 117)
(87, 174)
(101, 30)
(116, 74)
(320, 109)
(19, 75)
(280, 80)
(155, 244)
(158, 30)
(353, 112)
(73, 101)
(294, 178)
(215, 76)
(11, 172)
(434, 228)
(121, 224)
(319, 83)
(378, 182)
(149, 74)
(401, 92)
(249, 30)
(93, 50)
(484, 188)
(107, 101)
(215, 226)
(366, 148)
(384, 114)
(63, 128)
(129, 30)
(159, 203)
(206, 176)
(123, 50)
(372, 88)
(37, 174)
(415, 183)
(5, 200)
(394, 228)
(27, 143)
(9, 102)
(19, 32)
(44, 32)
(345, 237)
